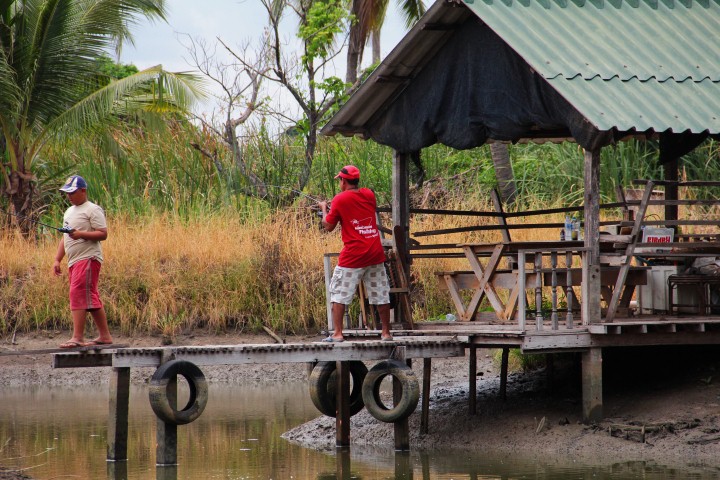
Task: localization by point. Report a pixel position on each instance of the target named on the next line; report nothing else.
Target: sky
(234, 21)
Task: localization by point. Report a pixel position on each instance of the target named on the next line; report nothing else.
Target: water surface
(60, 433)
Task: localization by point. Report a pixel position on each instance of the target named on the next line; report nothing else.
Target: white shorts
(345, 281)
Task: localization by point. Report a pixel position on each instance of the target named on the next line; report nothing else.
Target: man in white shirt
(82, 246)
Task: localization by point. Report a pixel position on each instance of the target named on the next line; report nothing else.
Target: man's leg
(338, 311)
(78, 336)
(384, 312)
(100, 319)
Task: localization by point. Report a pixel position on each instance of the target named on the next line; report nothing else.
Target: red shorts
(84, 277)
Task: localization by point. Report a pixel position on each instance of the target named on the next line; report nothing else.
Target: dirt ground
(674, 393)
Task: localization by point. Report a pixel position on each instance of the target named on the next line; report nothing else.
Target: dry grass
(219, 272)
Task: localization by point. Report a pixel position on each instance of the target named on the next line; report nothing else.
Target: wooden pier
(164, 390)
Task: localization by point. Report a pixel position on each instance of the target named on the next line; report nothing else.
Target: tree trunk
(355, 45)
(376, 46)
(503, 172)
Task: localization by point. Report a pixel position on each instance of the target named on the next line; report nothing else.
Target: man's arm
(95, 236)
(59, 255)
(327, 226)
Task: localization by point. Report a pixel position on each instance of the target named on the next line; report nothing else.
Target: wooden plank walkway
(415, 347)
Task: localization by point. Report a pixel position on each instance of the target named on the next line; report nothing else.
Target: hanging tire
(410, 391)
(159, 392)
(322, 383)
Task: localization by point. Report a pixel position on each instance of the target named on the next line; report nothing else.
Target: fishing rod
(59, 229)
(303, 194)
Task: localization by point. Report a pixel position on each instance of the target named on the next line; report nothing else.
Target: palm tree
(49, 82)
(369, 16)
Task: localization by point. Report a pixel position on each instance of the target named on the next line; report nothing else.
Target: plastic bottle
(568, 228)
(562, 234)
(574, 229)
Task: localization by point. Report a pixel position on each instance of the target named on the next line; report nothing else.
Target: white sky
(234, 21)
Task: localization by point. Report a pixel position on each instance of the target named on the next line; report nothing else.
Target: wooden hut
(590, 71)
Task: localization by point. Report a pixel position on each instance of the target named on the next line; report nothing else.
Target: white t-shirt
(87, 217)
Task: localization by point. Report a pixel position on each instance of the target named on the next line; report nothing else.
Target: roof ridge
(676, 79)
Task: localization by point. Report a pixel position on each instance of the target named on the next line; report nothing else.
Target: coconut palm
(49, 85)
(369, 16)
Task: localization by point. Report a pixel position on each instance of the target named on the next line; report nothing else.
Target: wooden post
(504, 372)
(592, 385)
(401, 210)
(327, 264)
(166, 435)
(403, 465)
(402, 427)
(590, 269)
(472, 380)
(342, 464)
(117, 434)
(117, 470)
(342, 414)
(671, 190)
(425, 414)
(166, 472)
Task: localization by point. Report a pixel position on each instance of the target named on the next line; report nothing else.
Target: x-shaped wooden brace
(485, 287)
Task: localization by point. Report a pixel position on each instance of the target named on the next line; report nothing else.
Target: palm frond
(152, 89)
(412, 11)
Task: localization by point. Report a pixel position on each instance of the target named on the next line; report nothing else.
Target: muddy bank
(673, 393)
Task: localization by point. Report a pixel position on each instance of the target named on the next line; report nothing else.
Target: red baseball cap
(349, 172)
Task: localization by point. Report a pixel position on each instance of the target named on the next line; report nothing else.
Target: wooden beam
(342, 402)
(425, 413)
(117, 434)
(472, 380)
(590, 305)
(401, 208)
(592, 385)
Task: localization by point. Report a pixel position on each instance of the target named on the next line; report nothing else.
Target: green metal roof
(642, 65)
(638, 64)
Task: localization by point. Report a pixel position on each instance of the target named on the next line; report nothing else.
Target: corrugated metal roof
(645, 65)
(625, 64)
(647, 39)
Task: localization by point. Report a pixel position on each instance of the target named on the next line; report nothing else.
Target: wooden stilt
(403, 465)
(592, 385)
(504, 372)
(342, 416)
(117, 434)
(117, 470)
(401, 427)
(425, 414)
(342, 463)
(166, 435)
(472, 380)
(166, 472)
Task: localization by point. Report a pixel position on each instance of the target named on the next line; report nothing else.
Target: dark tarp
(477, 88)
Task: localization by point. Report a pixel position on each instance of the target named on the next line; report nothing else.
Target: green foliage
(113, 70)
(324, 21)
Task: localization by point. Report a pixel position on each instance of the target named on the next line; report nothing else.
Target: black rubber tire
(410, 391)
(198, 392)
(323, 391)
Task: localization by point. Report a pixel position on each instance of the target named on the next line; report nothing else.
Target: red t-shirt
(355, 210)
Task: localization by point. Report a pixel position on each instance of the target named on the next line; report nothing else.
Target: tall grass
(188, 248)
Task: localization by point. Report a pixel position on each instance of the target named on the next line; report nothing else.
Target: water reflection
(62, 433)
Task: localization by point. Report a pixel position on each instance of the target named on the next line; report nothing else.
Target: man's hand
(56, 268)
(323, 207)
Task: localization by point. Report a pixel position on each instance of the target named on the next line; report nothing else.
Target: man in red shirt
(362, 256)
